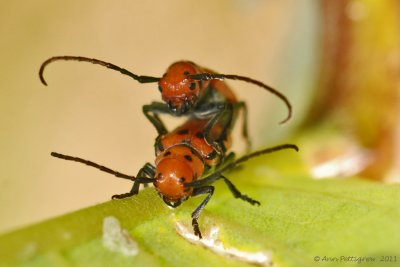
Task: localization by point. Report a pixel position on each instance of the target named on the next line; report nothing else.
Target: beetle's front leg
(151, 112)
(145, 175)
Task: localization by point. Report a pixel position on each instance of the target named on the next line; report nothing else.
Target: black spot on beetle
(199, 135)
(186, 73)
(183, 132)
(167, 154)
(188, 158)
(182, 179)
(160, 88)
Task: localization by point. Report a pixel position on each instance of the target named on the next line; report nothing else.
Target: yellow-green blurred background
(95, 113)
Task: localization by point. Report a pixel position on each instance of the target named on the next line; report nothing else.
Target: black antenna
(211, 76)
(93, 164)
(141, 79)
(218, 174)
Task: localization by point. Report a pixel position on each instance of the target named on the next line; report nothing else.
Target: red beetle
(182, 164)
(187, 89)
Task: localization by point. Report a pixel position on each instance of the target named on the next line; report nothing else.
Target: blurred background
(336, 61)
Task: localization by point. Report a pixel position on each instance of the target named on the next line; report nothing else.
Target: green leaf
(299, 219)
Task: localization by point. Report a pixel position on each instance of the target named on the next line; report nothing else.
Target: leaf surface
(299, 219)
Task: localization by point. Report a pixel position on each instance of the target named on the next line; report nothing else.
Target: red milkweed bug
(187, 88)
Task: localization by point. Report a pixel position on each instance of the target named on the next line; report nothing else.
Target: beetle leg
(227, 159)
(144, 176)
(236, 193)
(218, 173)
(147, 170)
(245, 133)
(156, 108)
(226, 122)
(196, 213)
(218, 110)
(215, 112)
(223, 113)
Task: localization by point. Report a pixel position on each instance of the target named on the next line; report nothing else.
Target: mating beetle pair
(185, 155)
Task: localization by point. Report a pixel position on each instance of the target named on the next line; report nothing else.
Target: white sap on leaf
(118, 239)
(212, 242)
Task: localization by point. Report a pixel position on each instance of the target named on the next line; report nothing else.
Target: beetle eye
(192, 86)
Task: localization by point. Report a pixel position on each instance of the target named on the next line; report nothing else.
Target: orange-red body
(182, 156)
(181, 92)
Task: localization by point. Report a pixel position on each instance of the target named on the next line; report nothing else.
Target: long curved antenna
(218, 174)
(141, 79)
(103, 168)
(211, 76)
